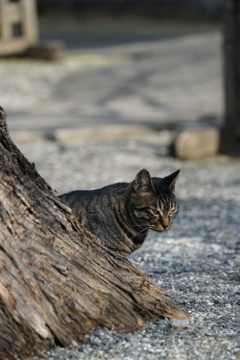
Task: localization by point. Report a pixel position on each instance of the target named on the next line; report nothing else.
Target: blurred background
(101, 23)
(153, 64)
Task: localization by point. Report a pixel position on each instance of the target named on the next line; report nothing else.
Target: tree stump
(57, 281)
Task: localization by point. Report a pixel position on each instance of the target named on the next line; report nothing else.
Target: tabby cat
(121, 214)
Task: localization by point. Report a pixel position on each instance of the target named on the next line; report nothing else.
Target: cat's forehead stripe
(163, 200)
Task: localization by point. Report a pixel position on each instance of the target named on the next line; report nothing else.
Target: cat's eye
(171, 212)
(155, 212)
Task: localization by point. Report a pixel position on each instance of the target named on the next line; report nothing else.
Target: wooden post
(18, 26)
(30, 24)
(19, 32)
(231, 56)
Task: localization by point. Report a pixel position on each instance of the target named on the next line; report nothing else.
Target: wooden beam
(232, 65)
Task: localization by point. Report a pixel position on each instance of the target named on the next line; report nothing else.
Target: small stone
(180, 323)
(48, 50)
(74, 343)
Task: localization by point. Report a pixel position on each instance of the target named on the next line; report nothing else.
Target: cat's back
(87, 198)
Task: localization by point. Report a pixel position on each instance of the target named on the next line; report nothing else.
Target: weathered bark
(57, 282)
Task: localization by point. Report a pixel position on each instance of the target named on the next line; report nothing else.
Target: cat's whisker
(140, 232)
(173, 232)
(152, 235)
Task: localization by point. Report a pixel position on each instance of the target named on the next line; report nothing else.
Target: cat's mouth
(160, 228)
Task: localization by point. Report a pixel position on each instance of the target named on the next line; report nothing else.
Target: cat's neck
(135, 233)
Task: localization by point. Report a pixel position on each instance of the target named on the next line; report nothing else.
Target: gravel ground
(198, 262)
(30, 82)
(158, 83)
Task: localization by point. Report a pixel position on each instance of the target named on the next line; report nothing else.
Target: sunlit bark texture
(57, 282)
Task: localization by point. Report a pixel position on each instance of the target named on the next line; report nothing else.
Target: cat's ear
(143, 183)
(171, 179)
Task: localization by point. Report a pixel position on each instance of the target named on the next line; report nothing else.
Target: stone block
(197, 143)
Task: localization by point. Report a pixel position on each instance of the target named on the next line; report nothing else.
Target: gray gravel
(198, 262)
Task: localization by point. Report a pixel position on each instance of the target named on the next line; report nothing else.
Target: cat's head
(152, 201)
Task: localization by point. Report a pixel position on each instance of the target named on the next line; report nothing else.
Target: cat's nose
(165, 223)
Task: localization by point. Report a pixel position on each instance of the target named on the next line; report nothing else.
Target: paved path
(158, 83)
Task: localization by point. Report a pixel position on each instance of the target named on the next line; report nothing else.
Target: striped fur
(121, 214)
